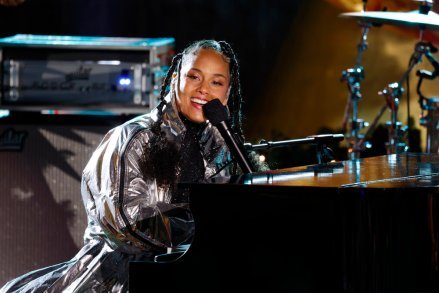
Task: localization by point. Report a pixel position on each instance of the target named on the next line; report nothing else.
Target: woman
(135, 211)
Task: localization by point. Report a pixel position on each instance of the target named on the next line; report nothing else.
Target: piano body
(369, 225)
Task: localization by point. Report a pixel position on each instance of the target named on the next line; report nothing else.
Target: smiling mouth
(199, 101)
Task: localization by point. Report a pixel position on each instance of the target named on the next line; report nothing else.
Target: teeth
(198, 101)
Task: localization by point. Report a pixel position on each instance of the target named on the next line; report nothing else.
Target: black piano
(369, 225)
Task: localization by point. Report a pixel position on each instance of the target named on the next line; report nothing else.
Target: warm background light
(304, 92)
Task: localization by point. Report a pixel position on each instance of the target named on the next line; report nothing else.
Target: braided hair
(235, 99)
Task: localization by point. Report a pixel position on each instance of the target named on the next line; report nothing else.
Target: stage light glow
(108, 62)
(124, 81)
(4, 113)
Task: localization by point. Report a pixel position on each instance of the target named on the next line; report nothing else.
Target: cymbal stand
(392, 94)
(353, 77)
(396, 131)
(394, 91)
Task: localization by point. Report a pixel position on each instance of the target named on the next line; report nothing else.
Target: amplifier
(41, 72)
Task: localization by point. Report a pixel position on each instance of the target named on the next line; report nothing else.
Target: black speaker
(42, 216)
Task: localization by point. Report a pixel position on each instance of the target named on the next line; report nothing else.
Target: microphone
(217, 114)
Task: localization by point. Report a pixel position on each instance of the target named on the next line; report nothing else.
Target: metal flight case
(76, 73)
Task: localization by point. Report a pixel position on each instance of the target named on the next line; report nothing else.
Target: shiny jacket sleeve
(132, 210)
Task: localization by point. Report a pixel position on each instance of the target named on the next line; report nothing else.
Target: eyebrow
(215, 74)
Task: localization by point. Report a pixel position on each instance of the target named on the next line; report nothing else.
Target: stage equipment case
(78, 73)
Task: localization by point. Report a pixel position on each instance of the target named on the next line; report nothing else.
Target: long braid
(161, 157)
(176, 61)
(235, 98)
(235, 105)
(165, 89)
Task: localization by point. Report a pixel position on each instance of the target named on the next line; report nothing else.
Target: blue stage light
(124, 81)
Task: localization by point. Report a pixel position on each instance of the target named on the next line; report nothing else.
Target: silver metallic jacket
(130, 217)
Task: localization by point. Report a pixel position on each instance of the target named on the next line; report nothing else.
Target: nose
(204, 88)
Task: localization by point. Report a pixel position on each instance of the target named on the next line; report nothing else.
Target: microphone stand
(324, 153)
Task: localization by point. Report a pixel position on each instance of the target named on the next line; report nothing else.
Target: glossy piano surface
(392, 171)
(370, 225)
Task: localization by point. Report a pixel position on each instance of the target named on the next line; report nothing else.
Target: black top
(191, 162)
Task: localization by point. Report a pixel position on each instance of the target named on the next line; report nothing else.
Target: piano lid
(390, 171)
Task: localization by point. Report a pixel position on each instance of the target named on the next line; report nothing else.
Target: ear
(174, 77)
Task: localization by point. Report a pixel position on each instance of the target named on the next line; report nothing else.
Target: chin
(196, 119)
(199, 121)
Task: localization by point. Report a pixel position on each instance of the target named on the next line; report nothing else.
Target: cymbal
(413, 18)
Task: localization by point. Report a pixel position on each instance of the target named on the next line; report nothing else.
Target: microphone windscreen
(215, 112)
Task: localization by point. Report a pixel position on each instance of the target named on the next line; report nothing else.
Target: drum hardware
(392, 94)
(424, 19)
(396, 131)
(353, 77)
(431, 122)
(431, 119)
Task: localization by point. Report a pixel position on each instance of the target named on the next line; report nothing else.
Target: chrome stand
(392, 94)
(353, 78)
(431, 119)
(394, 91)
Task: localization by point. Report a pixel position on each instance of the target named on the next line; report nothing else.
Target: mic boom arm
(323, 152)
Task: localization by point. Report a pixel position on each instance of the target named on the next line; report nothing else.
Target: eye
(192, 76)
(218, 83)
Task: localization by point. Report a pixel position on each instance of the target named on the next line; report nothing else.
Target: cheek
(223, 97)
(224, 101)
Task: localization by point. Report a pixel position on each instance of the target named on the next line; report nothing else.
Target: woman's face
(204, 76)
